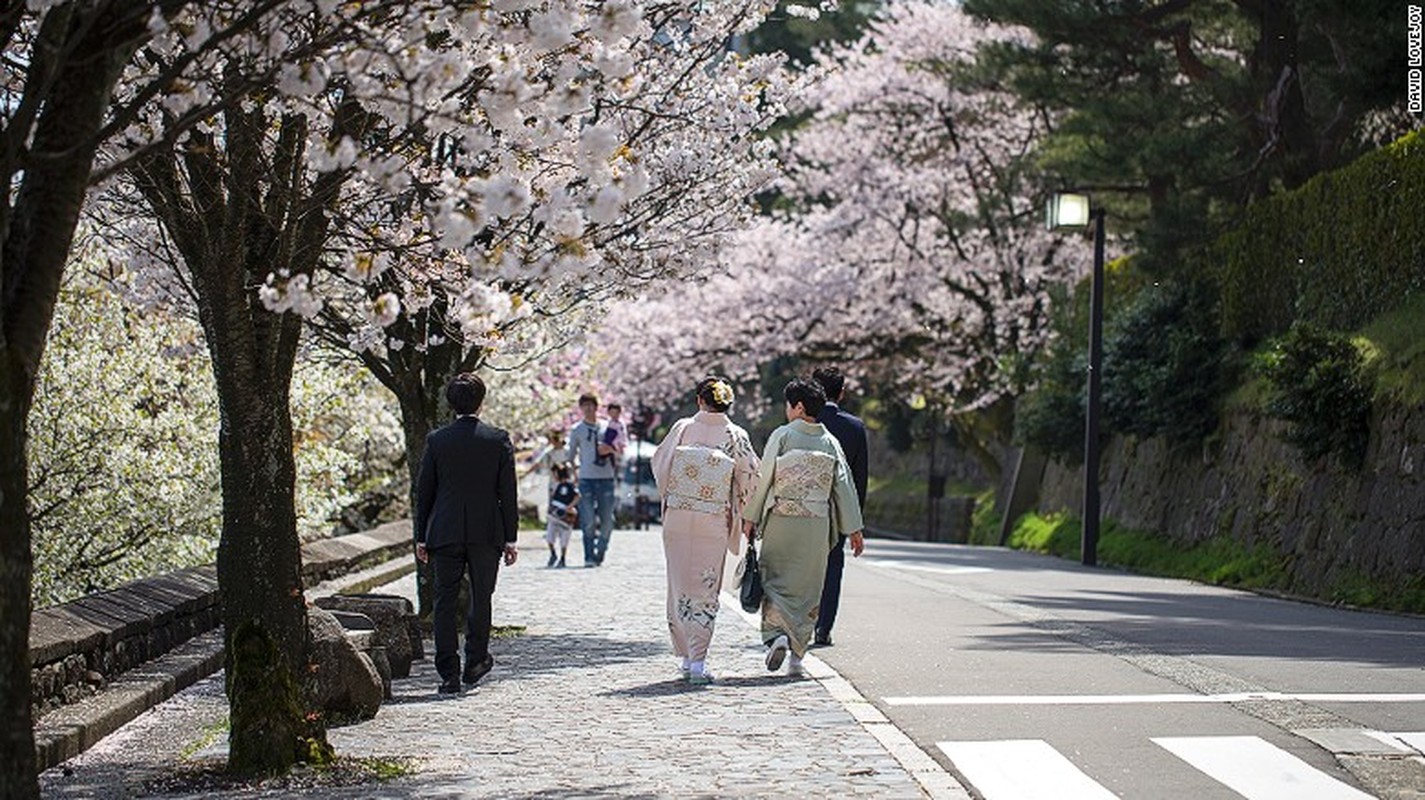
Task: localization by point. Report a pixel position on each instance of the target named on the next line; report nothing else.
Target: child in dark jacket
(563, 513)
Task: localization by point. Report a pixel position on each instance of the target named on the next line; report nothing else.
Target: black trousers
(831, 587)
(482, 564)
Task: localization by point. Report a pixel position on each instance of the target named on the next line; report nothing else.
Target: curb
(69, 730)
(934, 780)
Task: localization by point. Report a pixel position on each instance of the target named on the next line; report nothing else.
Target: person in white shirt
(590, 447)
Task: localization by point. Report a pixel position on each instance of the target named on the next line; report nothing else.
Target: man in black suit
(850, 431)
(466, 518)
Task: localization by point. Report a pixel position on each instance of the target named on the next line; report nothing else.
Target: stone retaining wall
(1334, 525)
(79, 647)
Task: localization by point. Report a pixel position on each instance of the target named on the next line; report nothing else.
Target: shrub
(1318, 384)
(123, 443)
(1163, 365)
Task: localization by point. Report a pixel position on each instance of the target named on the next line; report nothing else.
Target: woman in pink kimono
(705, 468)
(803, 503)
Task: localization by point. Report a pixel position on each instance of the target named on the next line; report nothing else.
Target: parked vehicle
(638, 499)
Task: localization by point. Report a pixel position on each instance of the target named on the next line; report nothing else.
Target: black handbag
(750, 581)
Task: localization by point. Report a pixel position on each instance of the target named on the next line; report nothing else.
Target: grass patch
(1395, 342)
(1219, 560)
(909, 485)
(506, 631)
(207, 738)
(1357, 589)
(378, 769)
(985, 521)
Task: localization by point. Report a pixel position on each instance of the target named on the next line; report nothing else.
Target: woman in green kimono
(803, 502)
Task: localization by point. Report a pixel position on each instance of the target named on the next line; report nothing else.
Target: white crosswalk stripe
(1022, 769)
(1031, 769)
(1256, 769)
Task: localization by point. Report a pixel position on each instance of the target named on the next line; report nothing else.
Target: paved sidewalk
(587, 703)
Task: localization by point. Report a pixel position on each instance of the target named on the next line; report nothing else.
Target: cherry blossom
(912, 252)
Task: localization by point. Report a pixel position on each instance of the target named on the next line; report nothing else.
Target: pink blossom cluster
(912, 254)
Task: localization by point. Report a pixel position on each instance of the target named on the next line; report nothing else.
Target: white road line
(917, 567)
(933, 779)
(1257, 769)
(1347, 697)
(1022, 769)
(1137, 699)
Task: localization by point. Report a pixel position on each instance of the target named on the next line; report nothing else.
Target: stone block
(391, 615)
(59, 631)
(353, 621)
(344, 684)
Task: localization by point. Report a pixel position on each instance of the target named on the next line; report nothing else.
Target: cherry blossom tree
(65, 95)
(640, 165)
(480, 160)
(908, 249)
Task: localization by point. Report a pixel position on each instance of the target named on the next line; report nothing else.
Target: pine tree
(1188, 109)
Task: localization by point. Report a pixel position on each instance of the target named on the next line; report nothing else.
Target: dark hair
(831, 380)
(465, 393)
(808, 393)
(705, 392)
(561, 471)
(614, 407)
(586, 397)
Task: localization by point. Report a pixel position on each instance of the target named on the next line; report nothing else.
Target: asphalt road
(1033, 677)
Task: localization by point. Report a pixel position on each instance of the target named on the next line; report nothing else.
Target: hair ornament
(721, 393)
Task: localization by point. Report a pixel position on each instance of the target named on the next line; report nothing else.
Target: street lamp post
(1074, 211)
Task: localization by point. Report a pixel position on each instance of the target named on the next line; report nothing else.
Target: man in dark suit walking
(850, 431)
(466, 519)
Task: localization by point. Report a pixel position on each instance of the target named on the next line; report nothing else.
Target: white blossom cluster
(498, 164)
(123, 451)
(546, 149)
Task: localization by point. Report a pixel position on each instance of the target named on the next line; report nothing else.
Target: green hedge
(1344, 248)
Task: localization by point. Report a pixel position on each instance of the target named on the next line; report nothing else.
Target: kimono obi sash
(801, 484)
(700, 479)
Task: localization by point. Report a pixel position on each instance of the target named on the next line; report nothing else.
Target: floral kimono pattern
(700, 479)
(802, 484)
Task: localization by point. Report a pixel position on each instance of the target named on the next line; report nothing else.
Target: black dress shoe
(822, 639)
(474, 672)
(449, 686)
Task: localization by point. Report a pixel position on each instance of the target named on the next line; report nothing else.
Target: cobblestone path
(587, 702)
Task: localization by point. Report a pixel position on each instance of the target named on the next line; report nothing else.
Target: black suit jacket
(850, 431)
(465, 494)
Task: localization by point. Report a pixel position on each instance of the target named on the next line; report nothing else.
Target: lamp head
(1067, 210)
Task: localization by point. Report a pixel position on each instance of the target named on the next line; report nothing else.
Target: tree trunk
(421, 395)
(83, 50)
(17, 743)
(235, 219)
(1286, 123)
(259, 578)
(417, 424)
